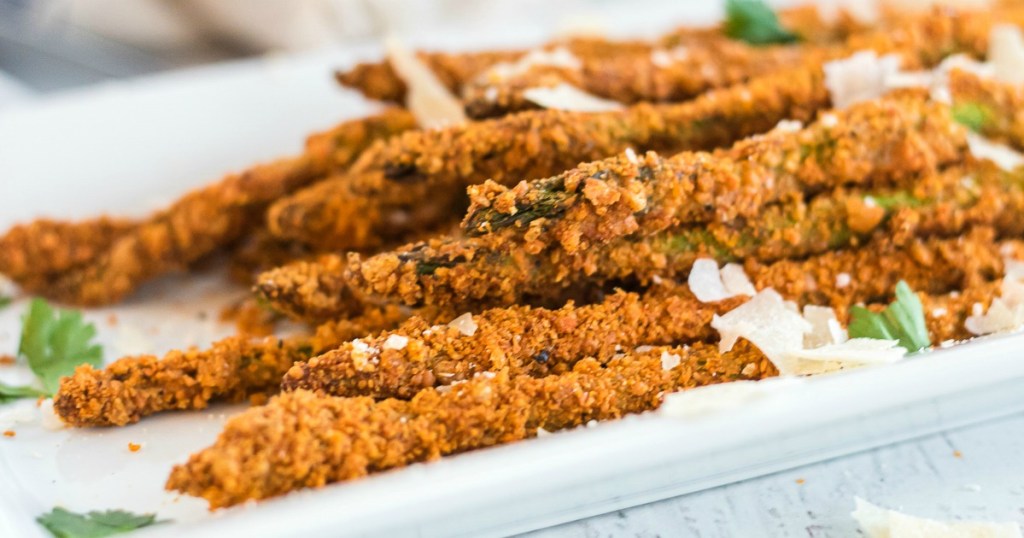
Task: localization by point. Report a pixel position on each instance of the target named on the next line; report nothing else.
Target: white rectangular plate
(128, 148)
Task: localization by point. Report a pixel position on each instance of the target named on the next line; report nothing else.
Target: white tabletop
(970, 473)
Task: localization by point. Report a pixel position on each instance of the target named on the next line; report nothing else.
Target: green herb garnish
(64, 524)
(5, 300)
(9, 393)
(54, 342)
(902, 320)
(754, 22)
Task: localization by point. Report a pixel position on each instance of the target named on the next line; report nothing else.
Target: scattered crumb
(112, 320)
(9, 433)
(134, 447)
(800, 481)
(6, 360)
(957, 454)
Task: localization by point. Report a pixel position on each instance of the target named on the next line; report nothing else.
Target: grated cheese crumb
(631, 156)
(789, 126)
(465, 324)
(1006, 53)
(556, 57)
(666, 58)
(843, 280)
(669, 360)
(828, 120)
(395, 341)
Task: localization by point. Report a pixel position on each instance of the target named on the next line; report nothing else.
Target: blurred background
(52, 45)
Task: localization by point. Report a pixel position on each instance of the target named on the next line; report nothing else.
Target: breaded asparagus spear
(654, 75)
(537, 341)
(31, 253)
(496, 269)
(200, 222)
(300, 440)
(232, 369)
(418, 179)
(881, 143)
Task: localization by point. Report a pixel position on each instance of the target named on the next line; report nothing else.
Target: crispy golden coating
(499, 269)
(880, 143)
(31, 253)
(656, 74)
(537, 341)
(101, 261)
(300, 440)
(232, 369)
(418, 179)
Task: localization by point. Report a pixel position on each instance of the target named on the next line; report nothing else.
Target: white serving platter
(130, 147)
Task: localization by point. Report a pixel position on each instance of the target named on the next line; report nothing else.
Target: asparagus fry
(878, 143)
(419, 179)
(536, 341)
(300, 440)
(232, 369)
(493, 268)
(101, 261)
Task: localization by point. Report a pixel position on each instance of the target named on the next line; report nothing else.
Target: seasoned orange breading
(537, 341)
(232, 369)
(419, 179)
(101, 261)
(300, 440)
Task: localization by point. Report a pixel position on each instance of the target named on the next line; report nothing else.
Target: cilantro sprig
(903, 320)
(53, 343)
(66, 524)
(754, 22)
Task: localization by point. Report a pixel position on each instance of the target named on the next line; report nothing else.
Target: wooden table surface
(976, 472)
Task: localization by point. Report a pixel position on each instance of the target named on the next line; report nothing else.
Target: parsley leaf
(754, 22)
(64, 524)
(54, 342)
(902, 320)
(9, 393)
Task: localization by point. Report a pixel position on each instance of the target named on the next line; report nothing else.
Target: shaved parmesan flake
(1002, 155)
(631, 156)
(705, 281)
(464, 324)
(878, 522)
(843, 280)
(1006, 313)
(669, 360)
(427, 98)
(556, 57)
(736, 280)
(852, 353)
(1006, 53)
(825, 328)
(1013, 269)
(709, 284)
(395, 341)
(568, 97)
(860, 77)
(710, 399)
(768, 323)
(48, 418)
